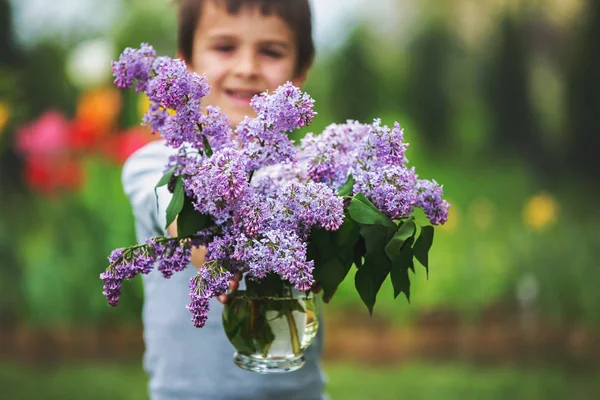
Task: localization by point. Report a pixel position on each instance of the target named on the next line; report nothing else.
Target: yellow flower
(540, 211)
(144, 105)
(4, 114)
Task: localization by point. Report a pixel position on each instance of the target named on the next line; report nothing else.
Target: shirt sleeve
(141, 173)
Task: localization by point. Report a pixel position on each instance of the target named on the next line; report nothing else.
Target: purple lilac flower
(252, 215)
(391, 189)
(429, 197)
(174, 86)
(331, 154)
(113, 278)
(390, 146)
(287, 109)
(172, 256)
(217, 129)
(268, 152)
(219, 183)
(199, 307)
(134, 66)
(155, 118)
(265, 138)
(211, 281)
(186, 162)
(281, 252)
(310, 205)
(124, 264)
(220, 248)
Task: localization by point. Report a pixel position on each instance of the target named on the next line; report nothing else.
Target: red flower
(124, 144)
(52, 176)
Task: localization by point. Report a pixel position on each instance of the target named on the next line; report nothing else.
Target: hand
(234, 283)
(317, 289)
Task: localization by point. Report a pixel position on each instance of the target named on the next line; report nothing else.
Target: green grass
(346, 381)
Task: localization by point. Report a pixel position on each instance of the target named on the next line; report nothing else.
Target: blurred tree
(516, 128)
(44, 80)
(11, 295)
(425, 96)
(583, 95)
(356, 91)
(8, 50)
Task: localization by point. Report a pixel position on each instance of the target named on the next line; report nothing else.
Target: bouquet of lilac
(274, 212)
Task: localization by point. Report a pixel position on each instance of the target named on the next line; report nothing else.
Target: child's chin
(237, 116)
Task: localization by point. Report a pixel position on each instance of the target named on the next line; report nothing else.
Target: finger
(233, 285)
(223, 299)
(237, 276)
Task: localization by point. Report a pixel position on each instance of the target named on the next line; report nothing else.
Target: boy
(244, 47)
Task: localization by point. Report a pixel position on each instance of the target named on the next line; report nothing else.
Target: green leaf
(331, 273)
(376, 261)
(346, 189)
(165, 178)
(364, 212)
(422, 246)
(399, 273)
(363, 281)
(348, 234)
(405, 231)
(324, 243)
(207, 149)
(176, 204)
(345, 240)
(236, 316)
(191, 221)
(359, 252)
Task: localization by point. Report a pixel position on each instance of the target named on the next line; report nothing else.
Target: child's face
(242, 55)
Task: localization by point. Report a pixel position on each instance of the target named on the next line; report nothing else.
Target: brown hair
(296, 13)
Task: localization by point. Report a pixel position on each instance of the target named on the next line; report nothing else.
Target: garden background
(499, 100)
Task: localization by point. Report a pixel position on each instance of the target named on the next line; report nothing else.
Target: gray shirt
(183, 362)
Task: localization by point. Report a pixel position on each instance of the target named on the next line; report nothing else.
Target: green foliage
(125, 381)
(191, 221)
(364, 212)
(422, 246)
(176, 204)
(333, 253)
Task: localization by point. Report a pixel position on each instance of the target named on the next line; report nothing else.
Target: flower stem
(293, 331)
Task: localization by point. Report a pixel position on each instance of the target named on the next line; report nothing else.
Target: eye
(272, 53)
(224, 48)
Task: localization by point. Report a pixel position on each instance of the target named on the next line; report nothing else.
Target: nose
(246, 64)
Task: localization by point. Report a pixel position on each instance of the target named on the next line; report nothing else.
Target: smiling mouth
(244, 95)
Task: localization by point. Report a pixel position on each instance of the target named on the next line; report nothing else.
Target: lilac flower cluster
(264, 138)
(175, 94)
(263, 194)
(211, 281)
(331, 154)
(171, 255)
(375, 156)
(134, 67)
(219, 184)
(429, 198)
(276, 251)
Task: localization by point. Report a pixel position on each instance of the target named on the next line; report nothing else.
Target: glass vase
(270, 329)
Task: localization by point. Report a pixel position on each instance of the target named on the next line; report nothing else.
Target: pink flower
(47, 136)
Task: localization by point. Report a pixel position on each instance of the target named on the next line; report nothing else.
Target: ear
(300, 78)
